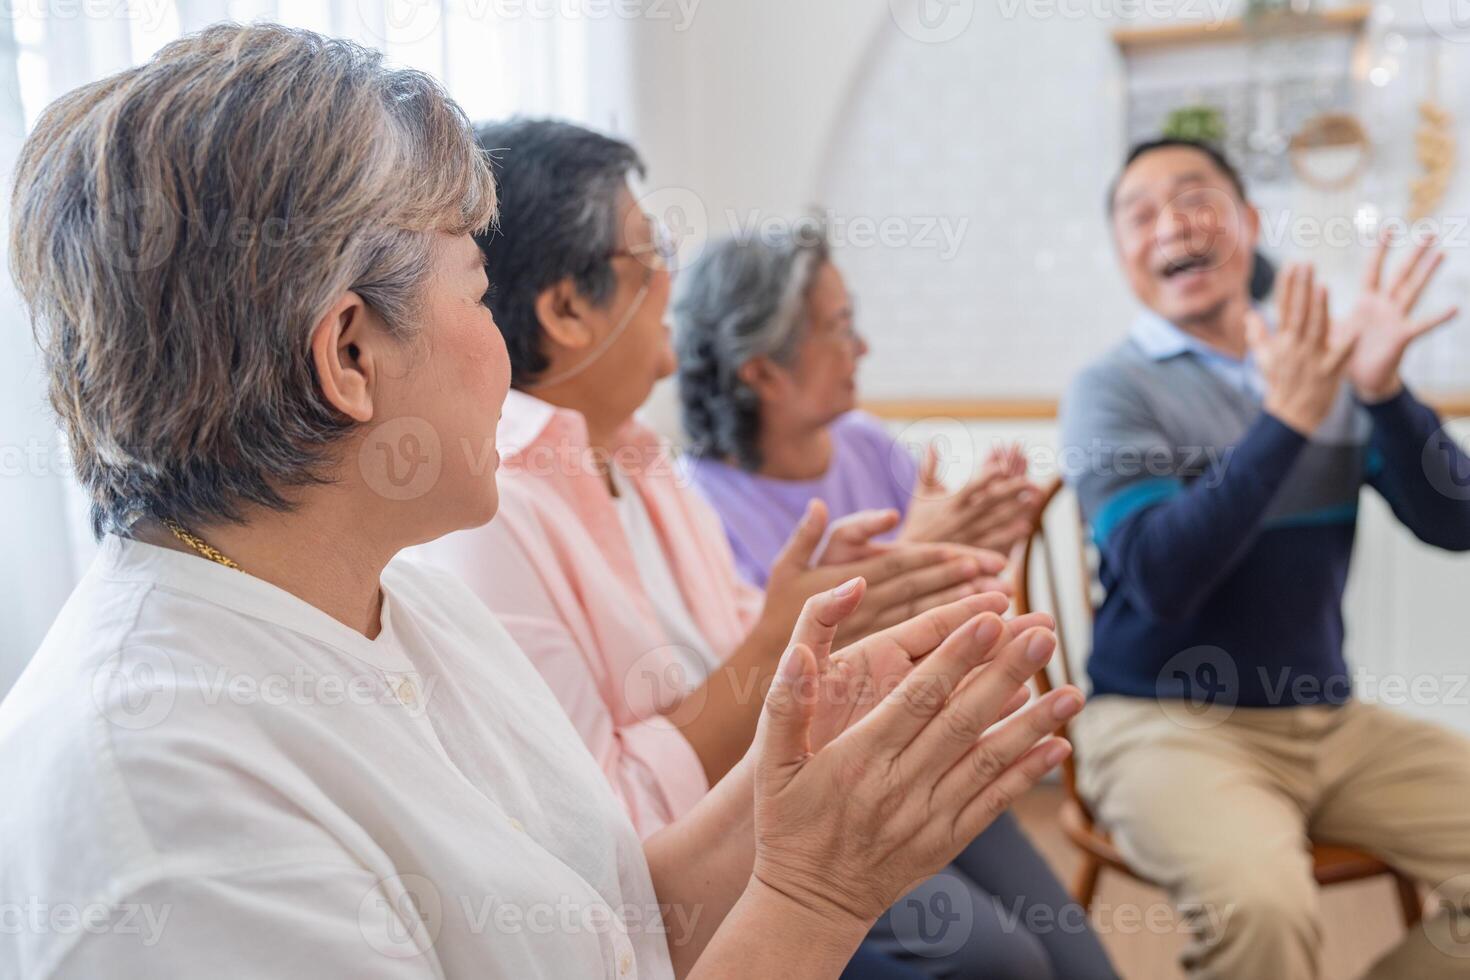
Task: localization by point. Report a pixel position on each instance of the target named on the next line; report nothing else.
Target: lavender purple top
(869, 471)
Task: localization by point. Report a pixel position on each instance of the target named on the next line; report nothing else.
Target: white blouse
(204, 775)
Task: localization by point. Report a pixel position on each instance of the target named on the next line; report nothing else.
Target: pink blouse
(556, 567)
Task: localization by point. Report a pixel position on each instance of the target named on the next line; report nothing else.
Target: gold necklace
(198, 545)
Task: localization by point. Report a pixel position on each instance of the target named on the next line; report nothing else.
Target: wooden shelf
(1133, 39)
(1448, 404)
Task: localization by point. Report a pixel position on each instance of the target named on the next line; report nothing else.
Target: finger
(1305, 291)
(908, 710)
(1316, 331)
(1010, 786)
(1374, 274)
(881, 569)
(798, 550)
(822, 614)
(974, 708)
(920, 635)
(856, 529)
(1000, 743)
(1032, 620)
(783, 735)
(1019, 463)
(1006, 538)
(1001, 585)
(915, 591)
(1414, 288)
(1410, 269)
(998, 514)
(929, 469)
(1286, 322)
(997, 489)
(1338, 356)
(987, 477)
(1255, 331)
(1424, 326)
(892, 616)
(989, 561)
(1018, 701)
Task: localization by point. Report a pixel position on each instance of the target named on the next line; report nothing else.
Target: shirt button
(517, 825)
(625, 962)
(407, 693)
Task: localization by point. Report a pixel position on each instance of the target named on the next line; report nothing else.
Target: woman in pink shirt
(634, 611)
(632, 608)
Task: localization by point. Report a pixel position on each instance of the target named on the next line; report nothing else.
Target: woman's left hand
(857, 677)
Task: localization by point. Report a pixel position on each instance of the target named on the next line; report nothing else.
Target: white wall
(1005, 136)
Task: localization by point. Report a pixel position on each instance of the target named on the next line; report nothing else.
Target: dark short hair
(1215, 154)
(1263, 271)
(557, 186)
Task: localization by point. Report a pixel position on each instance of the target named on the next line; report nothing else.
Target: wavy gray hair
(741, 300)
(179, 227)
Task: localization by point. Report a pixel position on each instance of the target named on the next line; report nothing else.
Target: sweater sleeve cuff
(1402, 411)
(1402, 425)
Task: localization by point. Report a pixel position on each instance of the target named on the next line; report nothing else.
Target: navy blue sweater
(1225, 560)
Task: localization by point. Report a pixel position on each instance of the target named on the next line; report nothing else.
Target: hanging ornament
(1434, 143)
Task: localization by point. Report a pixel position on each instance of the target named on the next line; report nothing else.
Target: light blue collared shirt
(1161, 340)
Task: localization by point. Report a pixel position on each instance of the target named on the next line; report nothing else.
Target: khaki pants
(1219, 810)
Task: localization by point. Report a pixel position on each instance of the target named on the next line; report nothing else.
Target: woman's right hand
(995, 510)
(903, 580)
(846, 829)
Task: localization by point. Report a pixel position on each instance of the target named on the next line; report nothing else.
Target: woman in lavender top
(768, 356)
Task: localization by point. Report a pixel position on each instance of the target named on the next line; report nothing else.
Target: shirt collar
(527, 421)
(1160, 340)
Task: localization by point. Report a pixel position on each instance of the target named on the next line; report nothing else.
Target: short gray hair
(741, 300)
(178, 228)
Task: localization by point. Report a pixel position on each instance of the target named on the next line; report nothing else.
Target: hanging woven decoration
(1434, 144)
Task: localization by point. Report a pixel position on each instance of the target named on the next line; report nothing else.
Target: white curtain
(496, 57)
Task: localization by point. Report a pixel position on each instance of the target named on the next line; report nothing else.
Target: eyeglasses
(658, 254)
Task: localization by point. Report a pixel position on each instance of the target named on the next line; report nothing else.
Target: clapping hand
(1382, 325)
(853, 806)
(1301, 360)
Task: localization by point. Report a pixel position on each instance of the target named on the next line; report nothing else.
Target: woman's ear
(344, 351)
(562, 313)
(761, 375)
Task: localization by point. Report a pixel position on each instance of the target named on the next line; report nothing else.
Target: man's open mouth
(1185, 264)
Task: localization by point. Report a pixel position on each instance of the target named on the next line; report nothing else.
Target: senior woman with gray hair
(768, 352)
(768, 356)
(250, 744)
